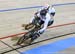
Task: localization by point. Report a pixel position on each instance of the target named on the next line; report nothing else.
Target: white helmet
(47, 6)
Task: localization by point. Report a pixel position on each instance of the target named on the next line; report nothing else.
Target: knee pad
(53, 14)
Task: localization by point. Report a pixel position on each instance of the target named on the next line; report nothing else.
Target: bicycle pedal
(15, 44)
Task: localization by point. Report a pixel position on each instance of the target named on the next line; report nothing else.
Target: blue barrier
(5, 10)
(52, 47)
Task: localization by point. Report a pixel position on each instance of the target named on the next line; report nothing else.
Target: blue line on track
(63, 4)
(20, 8)
(51, 48)
(5, 10)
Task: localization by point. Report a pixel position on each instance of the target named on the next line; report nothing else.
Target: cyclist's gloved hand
(40, 32)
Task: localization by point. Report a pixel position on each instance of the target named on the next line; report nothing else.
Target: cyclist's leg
(50, 23)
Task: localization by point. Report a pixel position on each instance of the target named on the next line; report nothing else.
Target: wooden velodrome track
(11, 21)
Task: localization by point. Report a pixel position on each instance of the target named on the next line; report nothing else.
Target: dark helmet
(43, 12)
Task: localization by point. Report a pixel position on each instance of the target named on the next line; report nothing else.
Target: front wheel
(24, 39)
(21, 40)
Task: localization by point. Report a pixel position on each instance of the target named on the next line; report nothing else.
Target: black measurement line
(10, 47)
(40, 41)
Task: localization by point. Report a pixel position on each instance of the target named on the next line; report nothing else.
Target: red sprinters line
(48, 28)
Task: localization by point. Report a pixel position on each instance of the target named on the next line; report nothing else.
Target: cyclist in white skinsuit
(46, 18)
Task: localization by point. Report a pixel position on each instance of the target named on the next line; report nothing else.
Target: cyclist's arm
(45, 24)
(31, 20)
